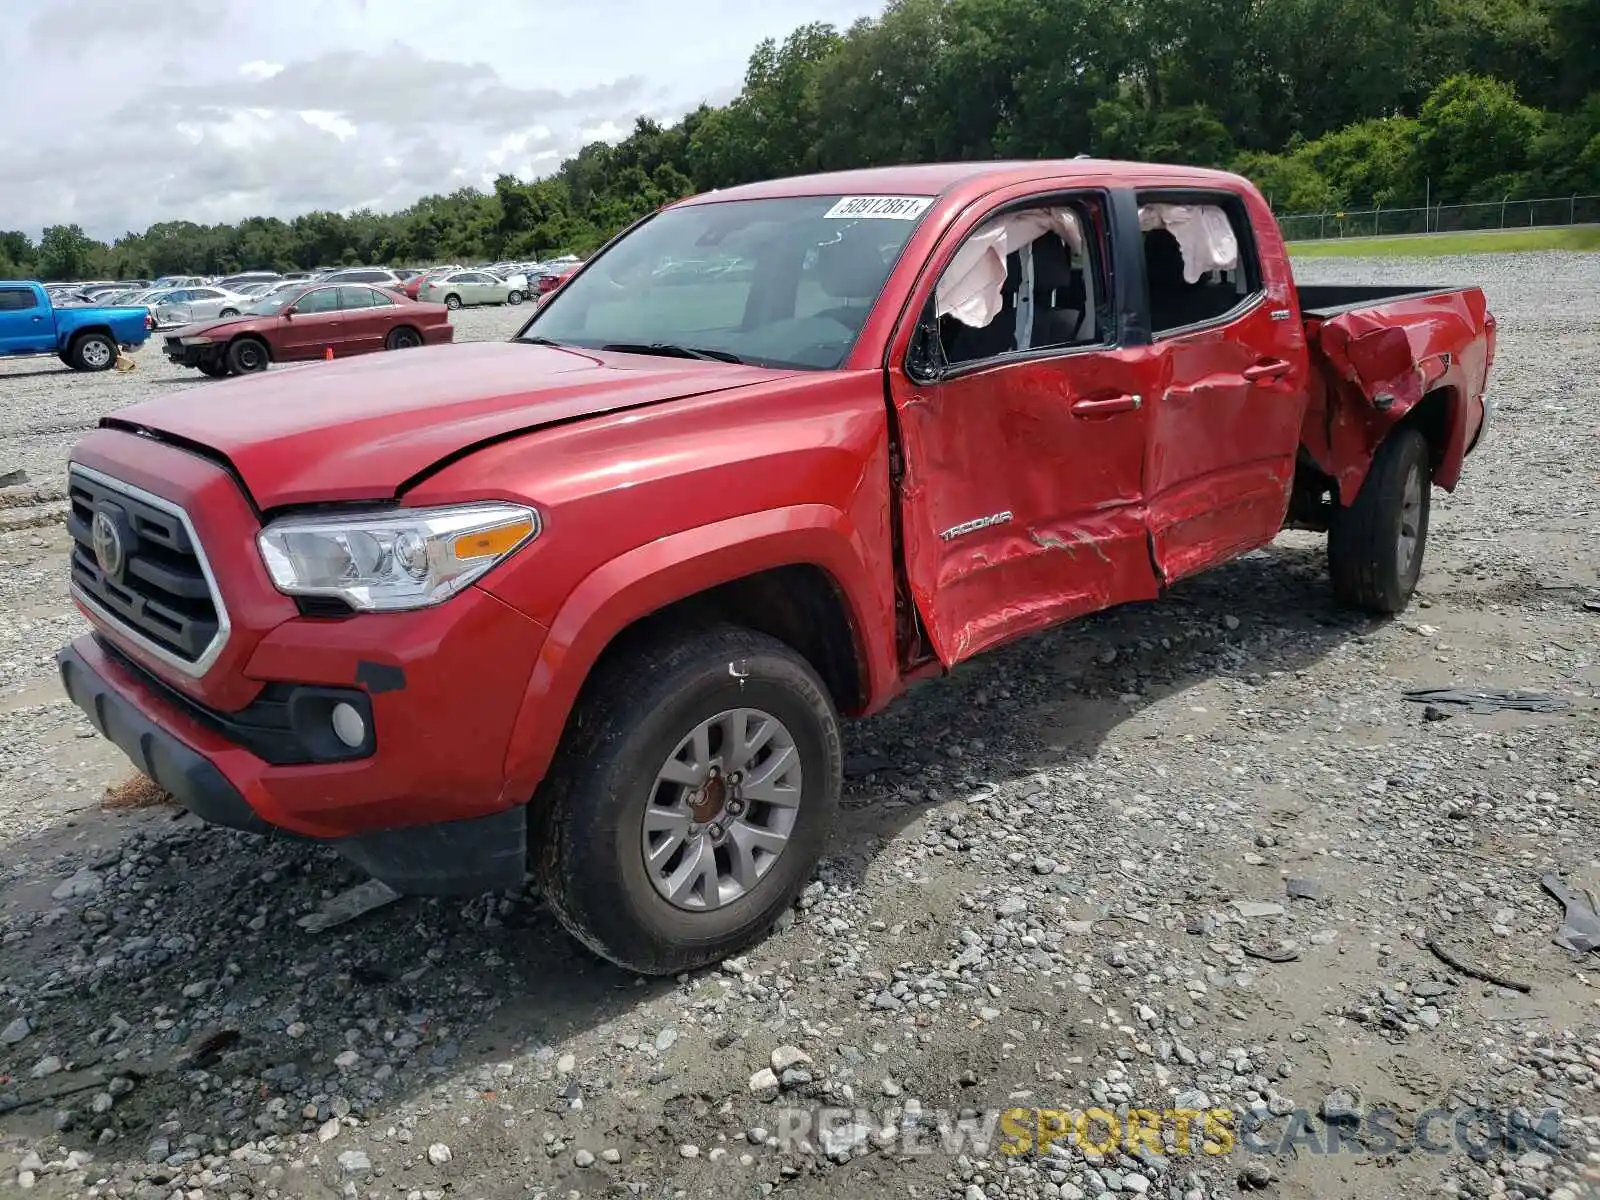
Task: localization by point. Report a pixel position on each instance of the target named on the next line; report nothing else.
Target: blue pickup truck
(86, 338)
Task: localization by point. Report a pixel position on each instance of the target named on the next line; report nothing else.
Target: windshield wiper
(541, 341)
(675, 350)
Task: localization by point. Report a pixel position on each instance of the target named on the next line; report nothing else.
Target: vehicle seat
(852, 271)
(963, 343)
(1170, 294)
(1059, 297)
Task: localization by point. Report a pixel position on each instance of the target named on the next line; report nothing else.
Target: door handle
(1106, 406)
(1270, 368)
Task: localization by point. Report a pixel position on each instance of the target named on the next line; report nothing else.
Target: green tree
(1475, 135)
(65, 252)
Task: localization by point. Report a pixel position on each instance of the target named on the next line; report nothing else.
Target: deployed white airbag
(970, 288)
(1203, 232)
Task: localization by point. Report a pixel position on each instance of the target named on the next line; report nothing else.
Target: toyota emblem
(107, 542)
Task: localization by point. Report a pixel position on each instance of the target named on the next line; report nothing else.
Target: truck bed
(1318, 301)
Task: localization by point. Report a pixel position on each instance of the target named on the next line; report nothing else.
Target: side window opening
(1196, 263)
(1025, 280)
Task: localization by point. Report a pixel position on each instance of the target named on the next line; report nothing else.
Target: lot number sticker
(882, 208)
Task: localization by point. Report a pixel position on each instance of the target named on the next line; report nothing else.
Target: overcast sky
(119, 113)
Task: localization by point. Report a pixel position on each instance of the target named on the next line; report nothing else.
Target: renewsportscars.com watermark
(1182, 1132)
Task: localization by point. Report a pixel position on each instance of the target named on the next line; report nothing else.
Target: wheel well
(404, 329)
(1432, 415)
(800, 605)
(78, 334)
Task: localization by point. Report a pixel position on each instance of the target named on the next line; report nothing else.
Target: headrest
(1163, 259)
(1052, 262)
(850, 270)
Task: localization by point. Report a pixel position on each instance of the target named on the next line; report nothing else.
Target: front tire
(691, 799)
(514, 298)
(228, 312)
(247, 355)
(1375, 546)
(213, 368)
(452, 302)
(93, 352)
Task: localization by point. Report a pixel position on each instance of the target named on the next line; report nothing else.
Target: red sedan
(545, 284)
(413, 286)
(307, 323)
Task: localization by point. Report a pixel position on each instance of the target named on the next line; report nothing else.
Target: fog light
(348, 725)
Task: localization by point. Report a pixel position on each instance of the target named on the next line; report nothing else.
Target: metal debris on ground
(1303, 889)
(348, 905)
(1485, 700)
(1580, 923)
(1283, 951)
(1450, 960)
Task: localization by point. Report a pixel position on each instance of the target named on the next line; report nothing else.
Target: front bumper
(422, 807)
(190, 356)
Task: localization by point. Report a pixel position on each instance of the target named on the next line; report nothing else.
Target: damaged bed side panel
(1379, 362)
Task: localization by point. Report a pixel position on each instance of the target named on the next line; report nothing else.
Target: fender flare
(648, 578)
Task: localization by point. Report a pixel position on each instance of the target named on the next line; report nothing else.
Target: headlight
(397, 559)
(195, 341)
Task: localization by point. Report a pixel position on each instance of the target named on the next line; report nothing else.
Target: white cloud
(329, 123)
(339, 102)
(606, 131)
(259, 69)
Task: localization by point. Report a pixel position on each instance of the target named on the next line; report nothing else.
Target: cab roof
(968, 178)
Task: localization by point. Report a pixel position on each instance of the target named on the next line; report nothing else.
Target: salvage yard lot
(1060, 882)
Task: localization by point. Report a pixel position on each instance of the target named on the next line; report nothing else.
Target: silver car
(459, 289)
(185, 306)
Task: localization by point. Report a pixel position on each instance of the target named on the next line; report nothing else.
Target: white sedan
(185, 306)
(462, 288)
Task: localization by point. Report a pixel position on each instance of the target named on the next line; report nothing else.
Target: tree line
(1323, 103)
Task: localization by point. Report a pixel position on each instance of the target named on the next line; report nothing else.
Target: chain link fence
(1441, 218)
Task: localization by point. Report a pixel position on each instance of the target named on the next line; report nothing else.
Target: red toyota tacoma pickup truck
(588, 603)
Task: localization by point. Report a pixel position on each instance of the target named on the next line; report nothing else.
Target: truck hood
(362, 428)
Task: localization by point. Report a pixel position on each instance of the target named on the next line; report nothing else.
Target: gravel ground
(1179, 856)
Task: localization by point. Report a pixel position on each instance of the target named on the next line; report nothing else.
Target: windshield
(785, 282)
(273, 302)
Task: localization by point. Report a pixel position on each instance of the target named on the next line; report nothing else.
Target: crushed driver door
(1024, 438)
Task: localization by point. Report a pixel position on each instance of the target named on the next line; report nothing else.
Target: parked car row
(242, 323)
(208, 296)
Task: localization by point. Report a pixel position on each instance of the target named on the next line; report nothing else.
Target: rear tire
(403, 338)
(228, 312)
(1376, 545)
(639, 714)
(452, 302)
(92, 352)
(247, 355)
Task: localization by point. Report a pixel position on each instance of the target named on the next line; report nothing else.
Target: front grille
(157, 590)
